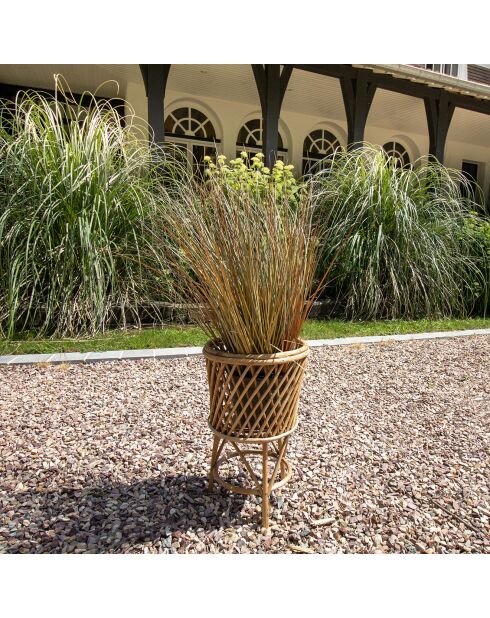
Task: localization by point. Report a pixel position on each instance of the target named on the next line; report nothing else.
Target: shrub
(77, 192)
(406, 255)
(249, 174)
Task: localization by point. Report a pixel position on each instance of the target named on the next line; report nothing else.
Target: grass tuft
(247, 257)
(77, 192)
(409, 253)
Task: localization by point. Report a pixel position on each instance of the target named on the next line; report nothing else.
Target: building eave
(430, 78)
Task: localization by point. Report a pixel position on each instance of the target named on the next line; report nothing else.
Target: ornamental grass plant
(477, 230)
(77, 194)
(410, 251)
(243, 248)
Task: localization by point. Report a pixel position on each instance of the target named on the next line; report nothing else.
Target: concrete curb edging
(406, 337)
(170, 353)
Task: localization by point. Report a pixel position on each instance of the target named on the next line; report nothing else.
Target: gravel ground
(392, 455)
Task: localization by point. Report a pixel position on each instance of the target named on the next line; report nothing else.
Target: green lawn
(172, 336)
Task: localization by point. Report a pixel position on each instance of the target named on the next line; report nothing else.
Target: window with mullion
(193, 135)
(249, 139)
(397, 152)
(444, 69)
(318, 149)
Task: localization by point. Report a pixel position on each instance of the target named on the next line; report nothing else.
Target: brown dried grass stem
(248, 258)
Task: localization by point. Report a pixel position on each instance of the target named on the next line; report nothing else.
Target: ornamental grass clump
(77, 194)
(477, 231)
(408, 253)
(244, 249)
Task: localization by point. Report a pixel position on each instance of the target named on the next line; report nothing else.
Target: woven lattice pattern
(254, 396)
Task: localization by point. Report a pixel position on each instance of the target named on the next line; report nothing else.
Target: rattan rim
(221, 356)
(253, 440)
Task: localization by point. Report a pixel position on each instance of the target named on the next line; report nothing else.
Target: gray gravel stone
(392, 455)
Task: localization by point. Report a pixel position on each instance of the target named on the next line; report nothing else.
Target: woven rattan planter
(254, 402)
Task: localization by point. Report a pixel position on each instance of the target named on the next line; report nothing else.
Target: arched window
(193, 134)
(319, 145)
(398, 152)
(250, 139)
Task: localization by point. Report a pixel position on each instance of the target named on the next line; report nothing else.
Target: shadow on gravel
(116, 517)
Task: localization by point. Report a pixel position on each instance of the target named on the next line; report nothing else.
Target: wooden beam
(144, 74)
(271, 85)
(270, 131)
(481, 106)
(329, 70)
(260, 81)
(422, 91)
(155, 79)
(439, 114)
(286, 73)
(358, 93)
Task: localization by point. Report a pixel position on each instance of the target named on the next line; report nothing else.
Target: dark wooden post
(271, 85)
(270, 126)
(358, 93)
(155, 79)
(439, 114)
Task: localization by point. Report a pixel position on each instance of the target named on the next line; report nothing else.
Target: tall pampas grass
(77, 193)
(408, 254)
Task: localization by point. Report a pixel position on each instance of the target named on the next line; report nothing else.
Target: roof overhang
(430, 78)
(411, 81)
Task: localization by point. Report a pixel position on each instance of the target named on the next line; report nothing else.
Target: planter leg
(214, 458)
(265, 486)
(283, 463)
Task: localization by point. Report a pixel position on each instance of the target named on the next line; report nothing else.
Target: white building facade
(410, 110)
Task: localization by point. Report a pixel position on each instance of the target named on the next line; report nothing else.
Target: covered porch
(299, 113)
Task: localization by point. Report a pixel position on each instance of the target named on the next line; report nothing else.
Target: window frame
(191, 141)
(405, 152)
(309, 159)
(441, 69)
(282, 153)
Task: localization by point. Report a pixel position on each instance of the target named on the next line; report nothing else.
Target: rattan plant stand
(253, 411)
